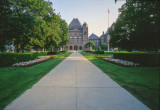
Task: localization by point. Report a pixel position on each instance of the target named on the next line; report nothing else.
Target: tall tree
(31, 22)
(6, 23)
(64, 31)
(137, 23)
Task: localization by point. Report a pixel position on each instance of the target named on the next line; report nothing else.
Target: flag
(108, 11)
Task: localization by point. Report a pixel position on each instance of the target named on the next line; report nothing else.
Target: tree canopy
(31, 22)
(90, 45)
(137, 26)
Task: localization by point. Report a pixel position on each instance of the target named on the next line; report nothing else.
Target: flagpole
(108, 28)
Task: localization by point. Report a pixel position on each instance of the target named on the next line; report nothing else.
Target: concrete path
(76, 84)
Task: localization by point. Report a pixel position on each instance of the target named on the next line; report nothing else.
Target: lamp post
(108, 41)
(108, 29)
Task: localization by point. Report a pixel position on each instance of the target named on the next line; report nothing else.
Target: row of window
(75, 40)
(73, 34)
(75, 37)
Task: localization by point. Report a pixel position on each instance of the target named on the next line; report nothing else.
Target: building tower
(78, 35)
(85, 33)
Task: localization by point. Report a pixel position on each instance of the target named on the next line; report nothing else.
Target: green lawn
(15, 80)
(142, 82)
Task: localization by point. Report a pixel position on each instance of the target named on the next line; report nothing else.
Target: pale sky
(93, 12)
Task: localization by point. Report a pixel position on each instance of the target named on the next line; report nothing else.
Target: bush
(98, 52)
(53, 52)
(7, 59)
(41, 53)
(64, 51)
(87, 51)
(101, 56)
(144, 59)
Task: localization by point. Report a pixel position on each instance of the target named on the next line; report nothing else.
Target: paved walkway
(76, 84)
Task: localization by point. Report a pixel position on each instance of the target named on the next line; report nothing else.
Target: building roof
(105, 35)
(94, 37)
(75, 23)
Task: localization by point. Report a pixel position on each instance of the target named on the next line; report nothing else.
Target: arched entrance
(80, 48)
(70, 47)
(75, 47)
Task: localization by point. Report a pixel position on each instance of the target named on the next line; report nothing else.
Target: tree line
(31, 24)
(137, 26)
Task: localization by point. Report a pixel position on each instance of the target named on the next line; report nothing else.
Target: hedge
(7, 59)
(87, 51)
(64, 51)
(41, 53)
(98, 52)
(144, 59)
(53, 52)
(94, 52)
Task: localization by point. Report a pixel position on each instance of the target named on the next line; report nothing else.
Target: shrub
(64, 51)
(7, 59)
(41, 53)
(98, 52)
(53, 52)
(101, 56)
(87, 51)
(144, 59)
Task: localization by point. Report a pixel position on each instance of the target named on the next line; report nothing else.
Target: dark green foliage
(7, 59)
(63, 33)
(64, 51)
(104, 46)
(145, 59)
(53, 52)
(88, 51)
(94, 52)
(31, 24)
(98, 52)
(138, 26)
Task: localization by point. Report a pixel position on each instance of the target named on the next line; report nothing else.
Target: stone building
(104, 37)
(95, 39)
(78, 35)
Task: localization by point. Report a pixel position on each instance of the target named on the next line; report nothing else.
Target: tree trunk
(23, 50)
(18, 48)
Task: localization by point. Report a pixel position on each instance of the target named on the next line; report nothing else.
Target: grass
(142, 82)
(15, 80)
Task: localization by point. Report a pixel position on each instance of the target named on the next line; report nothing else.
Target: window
(75, 40)
(71, 40)
(80, 40)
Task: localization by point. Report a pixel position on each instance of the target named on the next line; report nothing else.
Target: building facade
(104, 38)
(78, 35)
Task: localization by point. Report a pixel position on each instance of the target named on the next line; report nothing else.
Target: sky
(93, 12)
